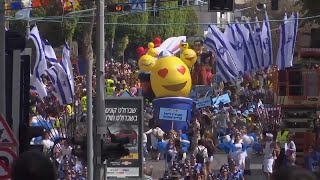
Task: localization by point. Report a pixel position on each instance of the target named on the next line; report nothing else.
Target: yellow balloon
(146, 62)
(150, 45)
(152, 52)
(170, 77)
(189, 57)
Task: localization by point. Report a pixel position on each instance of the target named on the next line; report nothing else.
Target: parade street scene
(160, 89)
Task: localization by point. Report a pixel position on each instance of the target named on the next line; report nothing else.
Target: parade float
(170, 80)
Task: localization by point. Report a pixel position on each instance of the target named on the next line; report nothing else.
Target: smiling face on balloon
(170, 77)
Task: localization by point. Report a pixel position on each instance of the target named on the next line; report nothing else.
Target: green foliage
(310, 8)
(135, 33)
(191, 17)
(122, 45)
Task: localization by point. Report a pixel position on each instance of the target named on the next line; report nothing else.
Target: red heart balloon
(163, 72)
(140, 50)
(181, 69)
(157, 40)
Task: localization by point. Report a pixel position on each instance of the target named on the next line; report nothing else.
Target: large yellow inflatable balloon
(170, 75)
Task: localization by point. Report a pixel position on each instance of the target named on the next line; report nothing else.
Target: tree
(49, 30)
(310, 8)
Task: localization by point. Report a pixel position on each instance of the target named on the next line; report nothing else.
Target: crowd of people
(240, 128)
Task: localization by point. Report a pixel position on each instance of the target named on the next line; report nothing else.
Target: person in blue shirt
(312, 160)
(236, 173)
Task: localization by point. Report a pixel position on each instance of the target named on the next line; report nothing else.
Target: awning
(309, 52)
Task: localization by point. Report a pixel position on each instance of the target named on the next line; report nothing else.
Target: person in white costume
(237, 153)
(269, 155)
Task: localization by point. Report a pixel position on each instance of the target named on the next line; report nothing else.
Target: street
(219, 159)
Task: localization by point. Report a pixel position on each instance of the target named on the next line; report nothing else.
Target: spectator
(33, 166)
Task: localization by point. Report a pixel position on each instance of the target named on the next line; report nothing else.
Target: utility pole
(2, 59)
(99, 116)
(89, 121)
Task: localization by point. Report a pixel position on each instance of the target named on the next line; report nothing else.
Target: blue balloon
(253, 135)
(185, 146)
(256, 147)
(162, 146)
(184, 137)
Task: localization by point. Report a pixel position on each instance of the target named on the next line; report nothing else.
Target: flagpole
(2, 59)
(99, 115)
(28, 29)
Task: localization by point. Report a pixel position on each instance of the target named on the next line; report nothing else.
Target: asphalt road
(219, 159)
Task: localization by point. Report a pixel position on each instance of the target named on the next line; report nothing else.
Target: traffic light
(119, 7)
(221, 5)
(274, 5)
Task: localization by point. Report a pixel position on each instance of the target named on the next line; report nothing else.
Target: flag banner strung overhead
(247, 47)
(258, 43)
(228, 64)
(288, 36)
(267, 42)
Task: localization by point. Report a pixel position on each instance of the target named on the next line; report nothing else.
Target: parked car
(131, 134)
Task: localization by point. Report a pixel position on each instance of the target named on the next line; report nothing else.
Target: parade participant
(224, 173)
(201, 152)
(290, 150)
(209, 145)
(237, 152)
(269, 155)
(171, 153)
(199, 74)
(196, 136)
(282, 138)
(311, 161)
(235, 173)
(156, 135)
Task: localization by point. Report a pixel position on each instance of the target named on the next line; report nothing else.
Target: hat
(216, 111)
(269, 135)
(250, 109)
(239, 112)
(246, 113)
(234, 112)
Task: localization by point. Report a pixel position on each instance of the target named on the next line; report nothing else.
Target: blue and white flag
(67, 66)
(258, 43)
(247, 31)
(41, 64)
(288, 35)
(267, 42)
(236, 42)
(243, 35)
(37, 85)
(49, 53)
(228, 64)
(59, 80)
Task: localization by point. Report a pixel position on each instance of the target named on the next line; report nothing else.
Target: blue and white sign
(173, 114)
(204, 102)
(202, 89)
(125, 94)
(138, 4)
(223, 99)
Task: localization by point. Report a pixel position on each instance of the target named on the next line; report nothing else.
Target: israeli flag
(258, 43)
(37, 85)
(244, 36)
(228, 64)
(40, 65)
(288, 35)
(60, 82)
(236, 42)
(67, 66)
(247, 30)
(267, 42)
(49, 53)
